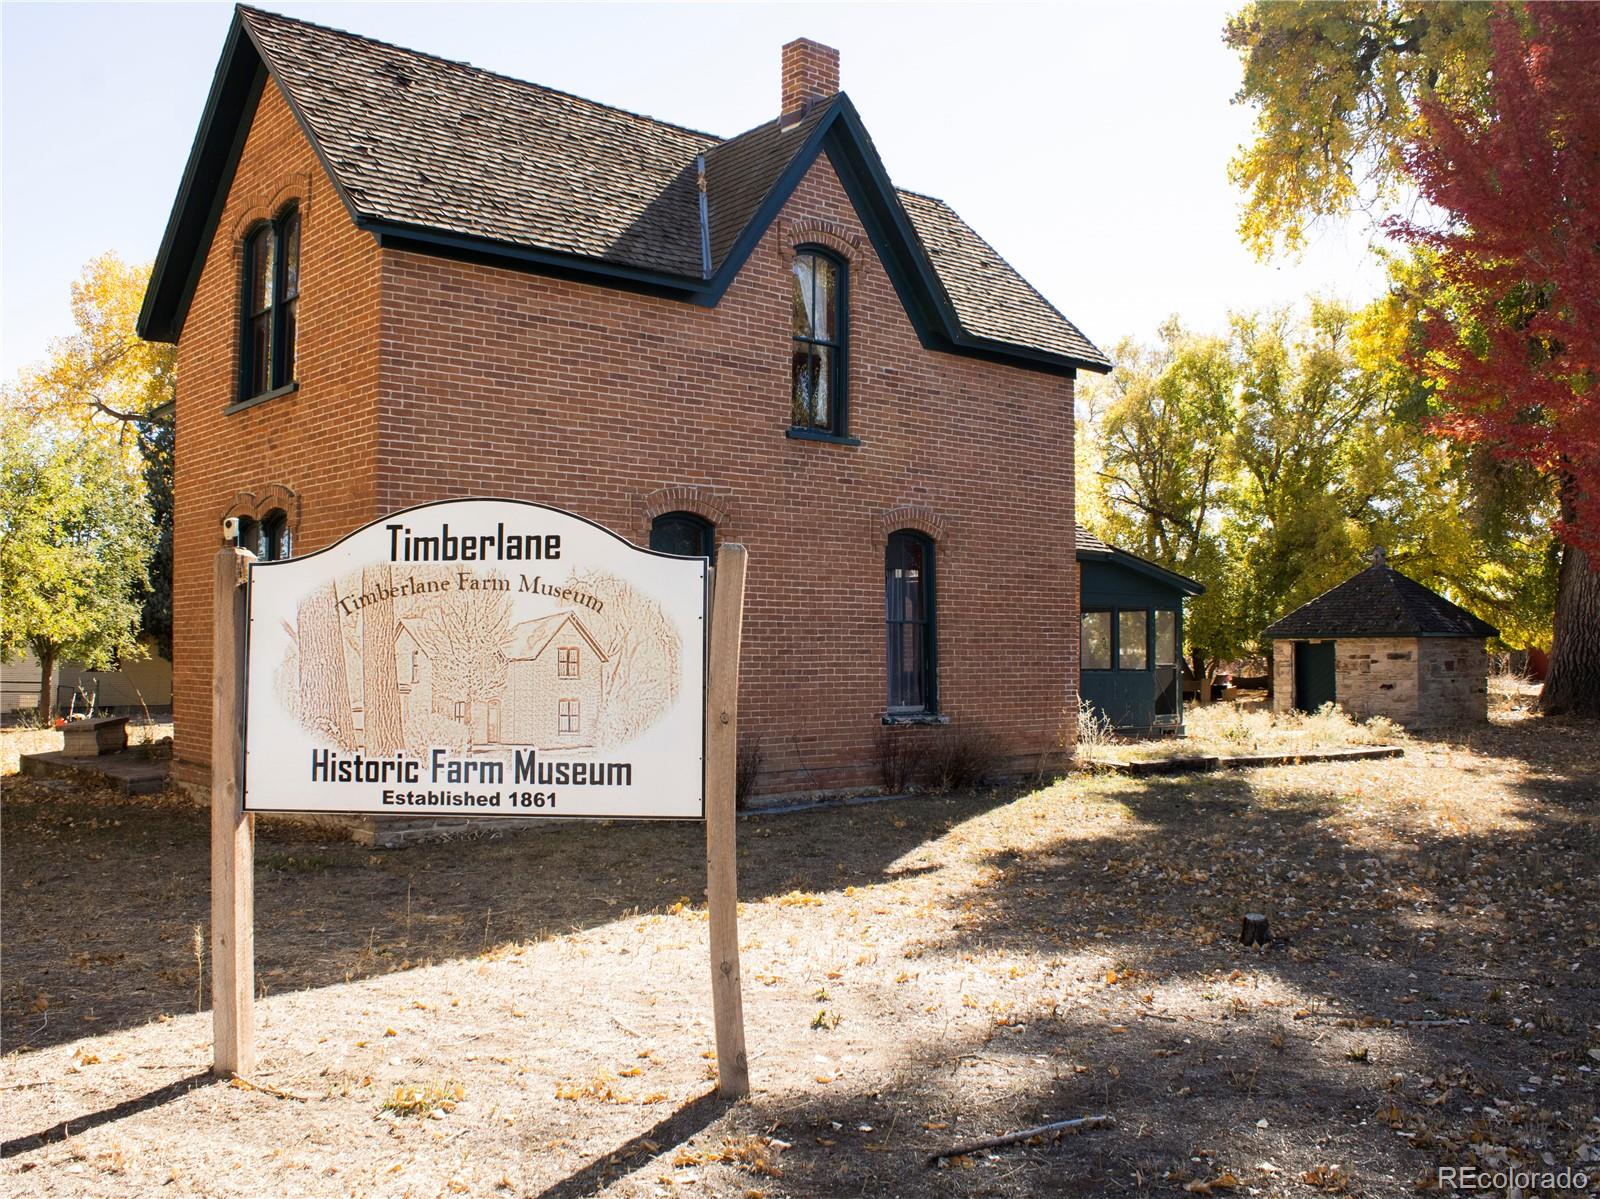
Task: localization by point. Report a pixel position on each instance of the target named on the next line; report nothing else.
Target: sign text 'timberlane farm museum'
(478, 657)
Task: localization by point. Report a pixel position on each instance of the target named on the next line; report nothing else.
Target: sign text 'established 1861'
(478, 658)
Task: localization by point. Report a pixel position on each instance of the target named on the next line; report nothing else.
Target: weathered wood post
(722, 764)
(232, 831)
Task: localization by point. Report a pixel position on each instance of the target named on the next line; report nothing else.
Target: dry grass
(994, 962)
(1248, 727)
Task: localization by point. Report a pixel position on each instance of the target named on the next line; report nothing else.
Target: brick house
(1382, 644)
(395, 279)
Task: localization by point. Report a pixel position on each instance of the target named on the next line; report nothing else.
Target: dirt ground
(528, 1014)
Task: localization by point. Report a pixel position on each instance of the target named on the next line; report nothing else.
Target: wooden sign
(476, 658)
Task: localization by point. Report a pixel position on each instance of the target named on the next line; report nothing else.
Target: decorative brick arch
(817, 232)
(701, 501)
(271, 498)
(265, 203)
(912, 516)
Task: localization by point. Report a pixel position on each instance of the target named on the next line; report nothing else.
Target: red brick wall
(619, 406)
(310, 452)
(471, 380)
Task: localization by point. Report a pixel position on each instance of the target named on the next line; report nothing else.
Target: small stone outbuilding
(1381, 644)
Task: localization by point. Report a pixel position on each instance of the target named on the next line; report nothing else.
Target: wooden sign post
(722, 871)
(673, 759)
(232, 830)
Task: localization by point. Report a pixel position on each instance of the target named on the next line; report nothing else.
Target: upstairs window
(271, 303)
(818, 343)
(566, 662)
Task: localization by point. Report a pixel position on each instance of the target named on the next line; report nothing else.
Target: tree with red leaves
(1511, 334)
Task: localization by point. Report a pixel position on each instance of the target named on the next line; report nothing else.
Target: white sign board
(478, 658)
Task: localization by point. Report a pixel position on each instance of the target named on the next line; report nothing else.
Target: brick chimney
(810, 72)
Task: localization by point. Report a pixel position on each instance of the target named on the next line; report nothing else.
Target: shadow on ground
(106, 895)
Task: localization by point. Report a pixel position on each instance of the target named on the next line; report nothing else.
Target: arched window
(269, 538)
(818, 343)
(271, 301)
(682, 533)
(275, 537)
(908, 591)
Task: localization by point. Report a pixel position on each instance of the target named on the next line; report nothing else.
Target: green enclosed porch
(1130, 637)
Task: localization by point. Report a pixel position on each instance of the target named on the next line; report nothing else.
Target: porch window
(1133, 639)
(1095, 643)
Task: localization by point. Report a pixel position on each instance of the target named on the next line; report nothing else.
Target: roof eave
(582, 268)
(1142, 566)
(235, 87)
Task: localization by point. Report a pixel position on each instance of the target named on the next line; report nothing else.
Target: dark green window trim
(924, 665)
(798, 434)
(684, 533)
(276, 393)
(835, 349)
(279, 315)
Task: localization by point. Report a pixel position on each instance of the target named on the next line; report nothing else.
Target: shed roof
(1092, 549)
(1380, 602)
(449, 158)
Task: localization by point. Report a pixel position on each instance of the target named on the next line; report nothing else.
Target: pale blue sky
(1089, 143)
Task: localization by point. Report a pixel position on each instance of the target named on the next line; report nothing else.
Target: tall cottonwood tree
(1268, 465)
(1337, 88)
(1512, 339)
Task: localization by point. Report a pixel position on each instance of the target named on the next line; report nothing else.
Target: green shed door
(1313, 674)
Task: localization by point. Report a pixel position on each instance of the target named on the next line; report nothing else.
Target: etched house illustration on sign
(552, 684)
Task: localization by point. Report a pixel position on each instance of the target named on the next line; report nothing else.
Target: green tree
(1269, 464)
(74, 540)
(1337, 88)
(102, 383)
(1158, 434)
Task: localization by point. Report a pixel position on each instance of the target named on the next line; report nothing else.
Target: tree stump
(1254, 930)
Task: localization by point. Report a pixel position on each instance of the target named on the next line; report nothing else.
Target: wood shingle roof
(443, 156)
(1379, 602)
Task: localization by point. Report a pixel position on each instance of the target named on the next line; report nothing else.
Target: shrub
(751, 759)
(1095, 732)
(895, 760)
(961, 758)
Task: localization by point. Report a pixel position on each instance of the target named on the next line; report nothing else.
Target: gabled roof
(1092, 549)
(1380, 602)
(531, 638)
(446, 158)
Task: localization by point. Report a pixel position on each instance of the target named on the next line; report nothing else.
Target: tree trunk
(47, 692)
(1573, 684)
(379, 687)
(324, 686)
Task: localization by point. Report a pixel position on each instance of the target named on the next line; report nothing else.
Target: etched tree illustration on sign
(468, 634)
(324, 688)
(639, 680)
(380, 691)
